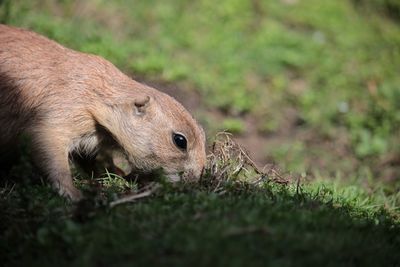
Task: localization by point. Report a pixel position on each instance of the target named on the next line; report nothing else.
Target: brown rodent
(68, 101)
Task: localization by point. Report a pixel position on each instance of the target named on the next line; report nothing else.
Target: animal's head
(157, 132)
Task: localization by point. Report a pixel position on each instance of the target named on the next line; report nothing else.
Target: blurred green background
(310, 85)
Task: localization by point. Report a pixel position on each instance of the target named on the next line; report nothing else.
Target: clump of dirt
(228, 160)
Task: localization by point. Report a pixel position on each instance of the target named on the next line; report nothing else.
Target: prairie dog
(68, 101)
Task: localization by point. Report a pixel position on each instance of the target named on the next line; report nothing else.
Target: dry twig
(133, 197)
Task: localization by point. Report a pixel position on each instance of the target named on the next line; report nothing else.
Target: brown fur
(61, 98)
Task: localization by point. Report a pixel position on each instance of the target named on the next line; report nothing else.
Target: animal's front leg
(51, 155)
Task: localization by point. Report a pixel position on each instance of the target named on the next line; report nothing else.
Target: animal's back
(18, 74)
(40, 78)
(31, 66)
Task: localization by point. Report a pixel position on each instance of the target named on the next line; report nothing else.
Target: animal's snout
(195, 171)
(191, 173)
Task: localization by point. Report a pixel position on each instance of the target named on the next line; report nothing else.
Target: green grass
(331, 65)
(182, 225)
(225, 219)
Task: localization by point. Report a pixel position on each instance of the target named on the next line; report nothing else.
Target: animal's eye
(180, 141)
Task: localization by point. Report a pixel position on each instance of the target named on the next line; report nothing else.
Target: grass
(235, 216)
(188, 226)
(183, 226)
(326, 70)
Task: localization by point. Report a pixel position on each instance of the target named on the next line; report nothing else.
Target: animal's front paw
(70, 192)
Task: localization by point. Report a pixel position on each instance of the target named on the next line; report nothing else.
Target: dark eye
(179, 141)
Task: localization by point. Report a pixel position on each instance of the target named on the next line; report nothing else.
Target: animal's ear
(141, 104)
